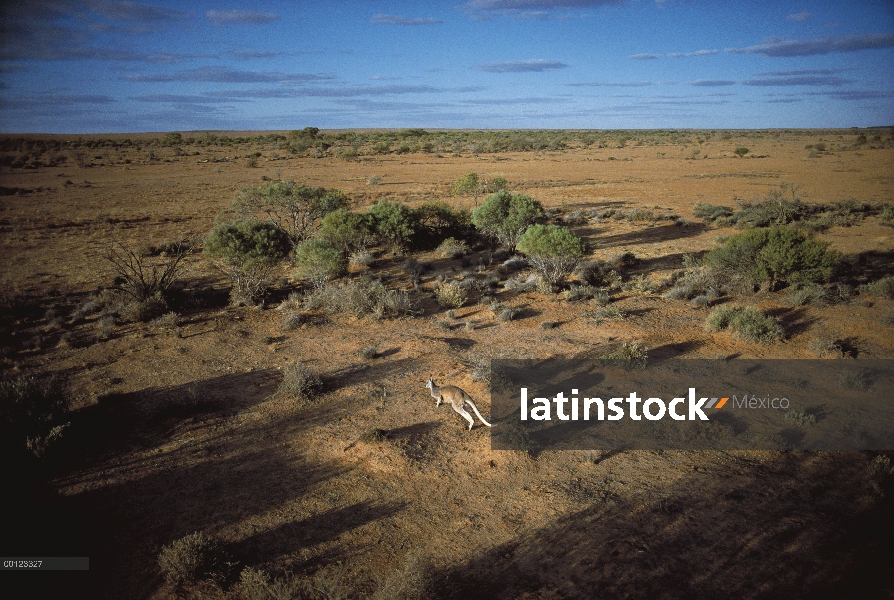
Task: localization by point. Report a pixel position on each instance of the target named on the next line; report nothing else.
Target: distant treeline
(314, 142)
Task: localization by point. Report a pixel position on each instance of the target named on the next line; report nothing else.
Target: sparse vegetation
(191, 558)
(749, 323)
(299, 382)
(360, 298)
(33, 415)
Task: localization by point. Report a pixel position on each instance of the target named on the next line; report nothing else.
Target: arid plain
(177, 426)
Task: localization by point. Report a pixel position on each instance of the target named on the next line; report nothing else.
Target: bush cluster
(363, 297)
(504, 216)
(748, 322)
(779, 255)
(247, 252)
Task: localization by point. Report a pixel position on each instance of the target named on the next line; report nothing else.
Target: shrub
(629, 355)
(347, 230)
(710, 212)
(774, 256)
(414, 269)
(374, 436)
(247, 252)
(300, 382)
(505, 217)
(360, 298)
(580, 292)
(320, 261)
(469, 184)
(192, 557)
(437, 220)
(294, 208)
(800, 417)
(33, 414)
(451, 294)
(882, 288)
(741, 151)
(552, 250)
(453, 248)
(749, 323)
(142, 277)
(144, 310)
(495, 185)
(394, 222)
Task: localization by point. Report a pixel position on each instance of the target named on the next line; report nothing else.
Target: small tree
(505, 217)
(320, 261)
(469, 184)
(247, 252)
(295, 208)
(552, 250)
(394, 222)
(741, 151)
(773, 256)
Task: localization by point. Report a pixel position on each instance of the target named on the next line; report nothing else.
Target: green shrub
(33, 414)
(438, 220)
(394, 222)
(469, 184)
(741, 151)
(347, 230)
(505, 217)
(749, 323)
(294, 208)
(453, 248)
(247, 252)
(319, 261)
(774, 256)
(451, 294)
(552, 250)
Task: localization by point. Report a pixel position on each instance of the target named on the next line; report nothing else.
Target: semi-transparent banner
(692, 404)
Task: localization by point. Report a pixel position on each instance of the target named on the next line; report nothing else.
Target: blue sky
(90, 66)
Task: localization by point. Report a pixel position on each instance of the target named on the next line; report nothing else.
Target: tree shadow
(651, 235)
(311, 531)
(676, 349)
(668, 262)
(693, 538)
(793, 320)
(146, 468)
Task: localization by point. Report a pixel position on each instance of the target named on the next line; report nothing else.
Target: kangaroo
(457, 398)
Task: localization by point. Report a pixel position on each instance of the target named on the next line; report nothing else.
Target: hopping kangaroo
(457, 398)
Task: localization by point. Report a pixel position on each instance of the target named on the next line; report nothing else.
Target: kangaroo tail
(475, 408)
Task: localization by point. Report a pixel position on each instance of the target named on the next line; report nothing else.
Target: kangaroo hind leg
(462, 411)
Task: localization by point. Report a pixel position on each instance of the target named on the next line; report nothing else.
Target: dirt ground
(180, 428)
